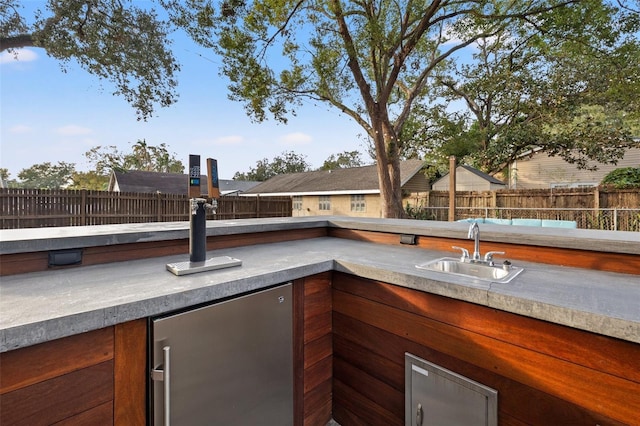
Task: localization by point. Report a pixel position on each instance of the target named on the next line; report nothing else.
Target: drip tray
(186, 268)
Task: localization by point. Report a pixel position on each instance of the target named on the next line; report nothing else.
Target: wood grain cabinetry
(544, 373)
(95, 378)
(313, 351)
(64, 380)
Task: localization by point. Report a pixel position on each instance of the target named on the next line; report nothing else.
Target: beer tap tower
(198, 222)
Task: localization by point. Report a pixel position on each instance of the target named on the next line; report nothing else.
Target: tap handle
(488, 257)
(465, 253)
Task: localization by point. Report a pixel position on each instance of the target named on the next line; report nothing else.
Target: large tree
(114, 40)
(103, 160)
(47, 175)
(143, 156)
(287, 162)
(567, 84)
(343, 160)
(369, 59)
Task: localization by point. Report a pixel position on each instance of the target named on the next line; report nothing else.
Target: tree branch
(17, 42)
(352, 57)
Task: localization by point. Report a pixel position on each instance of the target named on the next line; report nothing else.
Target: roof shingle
(339, 180)
(169, 183)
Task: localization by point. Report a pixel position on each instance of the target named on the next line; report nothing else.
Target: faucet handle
(488, 257)
(465, 253)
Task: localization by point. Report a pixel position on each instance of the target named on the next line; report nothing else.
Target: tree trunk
(388, 167)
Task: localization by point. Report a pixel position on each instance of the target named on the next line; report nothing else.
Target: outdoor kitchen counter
(43, 239)
(41, 306)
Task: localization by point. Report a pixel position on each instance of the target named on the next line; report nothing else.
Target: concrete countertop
(44, 239)
(42, 306)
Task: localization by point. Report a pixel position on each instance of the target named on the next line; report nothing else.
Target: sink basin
(450, 265)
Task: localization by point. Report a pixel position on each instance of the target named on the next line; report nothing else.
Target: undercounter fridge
(230, 363)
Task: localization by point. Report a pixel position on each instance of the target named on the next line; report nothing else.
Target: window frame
(358, 203)
(324, 202)
(296, 202)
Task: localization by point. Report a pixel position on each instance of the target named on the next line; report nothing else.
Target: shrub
(626, 177)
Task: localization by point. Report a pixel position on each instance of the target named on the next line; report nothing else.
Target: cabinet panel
(130, 367)
(576, 346)
(100, 415)
(37, 363)
(313, 359)
(59, 398)
(490, 347)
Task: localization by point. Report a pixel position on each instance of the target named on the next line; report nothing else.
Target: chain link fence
(613, 219)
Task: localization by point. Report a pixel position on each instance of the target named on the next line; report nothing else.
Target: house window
(297, 202)
(324, 202)
(357, 203)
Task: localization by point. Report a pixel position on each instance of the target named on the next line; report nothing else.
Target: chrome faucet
(474, 233)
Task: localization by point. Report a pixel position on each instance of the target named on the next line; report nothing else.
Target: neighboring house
(169, 183)
(235, 187)
(538, 170)
(469, 179)
(347, 192)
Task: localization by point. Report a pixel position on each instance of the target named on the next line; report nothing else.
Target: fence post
(452, 188)
(158, 207)
(83, 206)
(257, 205)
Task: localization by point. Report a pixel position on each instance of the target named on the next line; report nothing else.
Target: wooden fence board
(36, 208)
(590, 208)
(593, 197)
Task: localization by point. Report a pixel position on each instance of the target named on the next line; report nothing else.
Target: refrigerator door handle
(162, 375)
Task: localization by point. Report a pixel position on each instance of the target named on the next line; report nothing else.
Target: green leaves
(343, 160)
(626, 177)
(142, 157)
(111, 39)
(287, 162)
(519, 68)
(47, 175)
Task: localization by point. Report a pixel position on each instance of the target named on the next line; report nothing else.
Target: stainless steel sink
(480, 271)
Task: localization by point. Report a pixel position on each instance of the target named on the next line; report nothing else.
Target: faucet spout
(474, 233)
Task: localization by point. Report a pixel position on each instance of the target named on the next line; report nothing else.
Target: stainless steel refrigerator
(230, 363)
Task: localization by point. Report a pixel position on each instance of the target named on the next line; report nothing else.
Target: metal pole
(198, 228)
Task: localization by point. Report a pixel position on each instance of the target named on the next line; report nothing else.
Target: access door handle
(162, 375)
(419, 415)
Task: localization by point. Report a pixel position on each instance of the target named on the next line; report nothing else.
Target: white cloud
(73, 130)
(297, 138)
(20, 129)
(17, 56)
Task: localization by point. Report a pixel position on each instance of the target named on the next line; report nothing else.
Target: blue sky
(50, 115)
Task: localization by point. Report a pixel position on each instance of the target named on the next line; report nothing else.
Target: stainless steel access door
(229, 364)
(435, 396)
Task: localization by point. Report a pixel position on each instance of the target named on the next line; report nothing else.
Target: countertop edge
(358, 258)
(43, 239)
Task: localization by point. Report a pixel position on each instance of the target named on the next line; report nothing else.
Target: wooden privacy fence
(590, 208)
(565, 198)
(36, 208)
